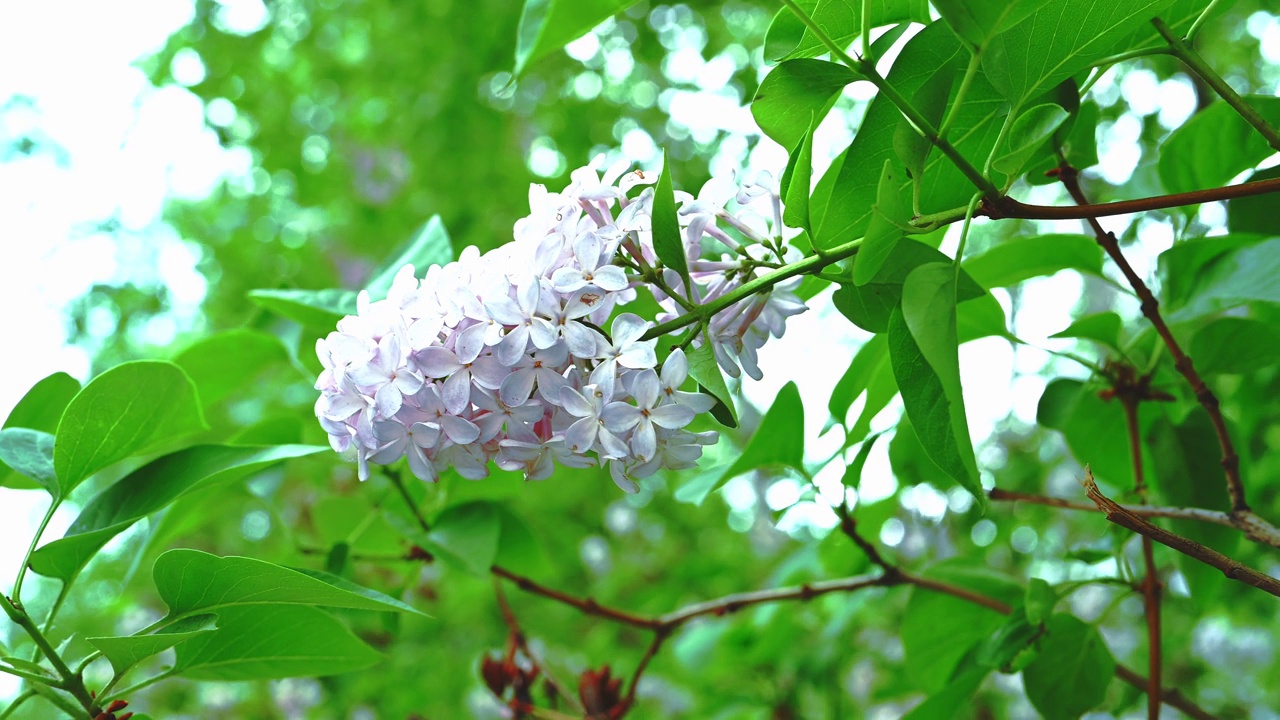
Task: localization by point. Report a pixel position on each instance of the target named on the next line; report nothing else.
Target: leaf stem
(868, 71)
(1200, 21)
(1196, 64)
(970, 72)
(865, 22)
(132, 689)
(73, 682)
(35, 540)
(17, 703)
(33, 677)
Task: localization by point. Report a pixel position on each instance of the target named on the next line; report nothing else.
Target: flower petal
(671, 417)
(437, 362)
(517, 387)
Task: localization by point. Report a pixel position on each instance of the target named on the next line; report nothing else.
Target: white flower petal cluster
(501, 358)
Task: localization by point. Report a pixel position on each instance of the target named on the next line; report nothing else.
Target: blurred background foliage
(361, 120)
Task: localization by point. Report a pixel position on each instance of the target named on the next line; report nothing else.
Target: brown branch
(1130, 394)
(1007, 207)
(1229, 567)
(520, 641)
(1070, 178)
(1254, 527)
(1172, 698)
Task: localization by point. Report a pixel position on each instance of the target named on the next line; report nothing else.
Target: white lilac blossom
(502, 359)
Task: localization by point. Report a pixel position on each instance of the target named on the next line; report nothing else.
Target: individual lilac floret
(502, 358)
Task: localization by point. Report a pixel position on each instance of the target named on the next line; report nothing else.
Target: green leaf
(121, 413)
(706, 372)
(1235, 345)
(42, 406)
(1012, 646)
(795, 96)
(1255, 214)
(1040, 600)
(1029, 132)
(1094, 429)
(1072, 672)
(125, 652)
(1188, 473)
(316, 309)
(150, 489)
(841, 203)
(272, 642)
(1062, 38)
(853, 472)
(777, 442)
(225, 362)
(796, 183)
(957, 693)
(1076, 139)
(881, 389)
(930, 100)
(977, 21)
(979, 318)
(667, 239)
(939, 630)
(1235, 278)
(868, 306)
(1215, 145)
(923, 348)
(30, 452)
(431, 246)
(468, 535)
(342, 583)
(840, 19)
(855, 379)
(193, 582)
(1103, 327)
(548, 25)
(519, 547)
(885, 229)
(1018, 259)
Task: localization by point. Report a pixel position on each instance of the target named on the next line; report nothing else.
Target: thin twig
(1254, 527)
(1007, 207)
(1070, 178)
(1233, 569)
(521, 642)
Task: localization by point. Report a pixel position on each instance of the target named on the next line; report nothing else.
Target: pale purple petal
(645, 388)
(549, 384)
(542, 333)
(459, 430)
(612, 444)
(671, 417)
(456, 392)
(627, 328)
(675, 369)
(610, 277)
(517, 387)
(577, 404)
(638, 356)
(437, 362)
(620, 416)
(644, 441)
(471, 342)
(581, 340)
(513, 345)
(567, 280)
(388, 400)
(581, 435)
(488, 373)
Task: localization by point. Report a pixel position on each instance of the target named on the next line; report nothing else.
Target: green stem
(33, 677)
(964, 233)
(1196, 64)
(866, 32)
(654, 277)
(751, 287)
(74, 683)
(133, 689)
(1000, 138)
(35, 540)
(408, 501)
(1100, 67)
(62, 703)
(1200, 21)
(17, 703)
(868, 71)
(975, 60)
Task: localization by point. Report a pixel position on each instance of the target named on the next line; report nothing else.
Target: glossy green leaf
(125, 652)
(840, 19)
(1103, 328)
(548, 25)
(868, 306)
(706, 372)
(150, 489)
(796, 184)
(226, 362)
(777, 442)
(1255, 214)
(1040, 601)
(1030, 131)
(123, 412)
(886, 227)
(1094, 429)
(1184, 267)
(957, 693)
(431, 246)
(1214, 146)
(856, 377)
(1235, 345)
(30, 453)
(881, 389)
(193, 582)
(1062, 38)
(1072, 672)
(853, 471)
(519, 546)
(668, 241)
(930, 100)
(273, 641)
(796, 95)
(316, 309)
(1189, 473)
(1242, 276)
(1076, 139)
(923, 348)
(939, 630)
(468, 535)
(977, 21)
(42, 406)
(1012, 261)
(841, 202)
(1012, 646)
(979, 318)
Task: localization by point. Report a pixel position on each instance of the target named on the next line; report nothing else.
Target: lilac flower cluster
(502, 357)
